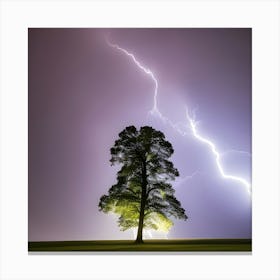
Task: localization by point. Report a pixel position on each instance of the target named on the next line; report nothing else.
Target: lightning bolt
(146, 70)
(216, 154)
(154, 111)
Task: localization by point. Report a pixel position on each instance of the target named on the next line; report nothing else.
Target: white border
(17, 16)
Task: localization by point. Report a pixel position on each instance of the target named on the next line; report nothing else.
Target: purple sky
(82, 93)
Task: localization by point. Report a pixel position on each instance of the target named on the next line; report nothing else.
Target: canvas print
(139, 139)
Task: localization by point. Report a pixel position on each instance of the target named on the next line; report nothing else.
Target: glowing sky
(82, 93)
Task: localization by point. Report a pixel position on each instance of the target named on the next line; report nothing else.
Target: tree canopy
(143, 196)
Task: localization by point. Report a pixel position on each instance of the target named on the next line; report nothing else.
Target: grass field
(162, 245)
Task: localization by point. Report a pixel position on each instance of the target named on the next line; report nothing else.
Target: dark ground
(166, 245)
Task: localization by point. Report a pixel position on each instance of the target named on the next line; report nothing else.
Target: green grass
(158, 245)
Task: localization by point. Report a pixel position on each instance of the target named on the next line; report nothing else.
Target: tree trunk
(139, 238)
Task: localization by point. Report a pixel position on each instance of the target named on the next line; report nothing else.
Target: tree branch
(151, 189)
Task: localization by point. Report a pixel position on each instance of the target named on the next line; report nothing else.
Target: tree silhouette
(143, 196)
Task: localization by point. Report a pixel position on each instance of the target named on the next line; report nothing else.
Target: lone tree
(143, 196)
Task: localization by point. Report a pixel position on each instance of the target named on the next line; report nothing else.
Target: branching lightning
(155, 110)
(232, 151)
(215, 152)
(182, 131)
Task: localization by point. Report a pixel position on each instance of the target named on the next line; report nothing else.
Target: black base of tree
(139, 241)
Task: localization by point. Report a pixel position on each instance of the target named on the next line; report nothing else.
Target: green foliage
(143, 182)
